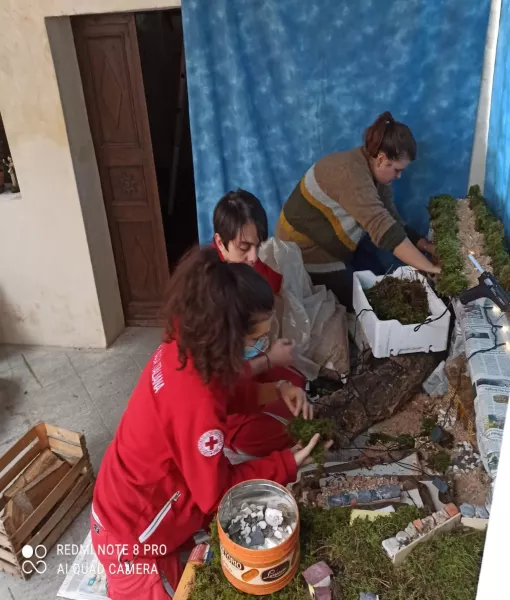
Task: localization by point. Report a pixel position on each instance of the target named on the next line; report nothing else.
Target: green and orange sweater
(333, 205)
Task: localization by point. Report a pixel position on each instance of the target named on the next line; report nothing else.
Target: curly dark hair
(212, 306)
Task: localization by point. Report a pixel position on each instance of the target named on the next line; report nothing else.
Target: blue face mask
(258, 348)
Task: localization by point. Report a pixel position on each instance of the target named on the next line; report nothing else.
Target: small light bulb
(496, 309)
(505, 327)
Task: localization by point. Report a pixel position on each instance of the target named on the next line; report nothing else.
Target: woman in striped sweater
(347, 194)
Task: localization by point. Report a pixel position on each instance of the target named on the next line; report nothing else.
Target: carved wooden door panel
(109, 62)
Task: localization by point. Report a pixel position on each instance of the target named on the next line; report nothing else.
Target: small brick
(428, 524)
(418, 526)
(451, 510)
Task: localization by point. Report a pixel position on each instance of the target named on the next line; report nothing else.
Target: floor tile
(97, 450)
(112, 396)
(83, 359)
(139, 340)
(15, 419)
(24, 377)
(67, 404)
(142, 359)
(103, 378)
(82, 390)
(49, 367)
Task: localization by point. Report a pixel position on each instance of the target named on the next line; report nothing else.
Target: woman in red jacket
(165, 472)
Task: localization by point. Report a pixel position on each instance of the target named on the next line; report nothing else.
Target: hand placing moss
(301, 430)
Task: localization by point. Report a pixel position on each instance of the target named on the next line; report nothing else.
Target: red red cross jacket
(165, 473)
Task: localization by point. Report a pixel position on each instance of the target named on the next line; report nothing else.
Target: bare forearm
(409, 254)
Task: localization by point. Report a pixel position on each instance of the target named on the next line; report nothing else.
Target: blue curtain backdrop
(276, 84)
(497, 177)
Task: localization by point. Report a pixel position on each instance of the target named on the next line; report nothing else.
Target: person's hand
(302, 455)
(296, 400)
(281, 353)
(430, 248)
(424, 245)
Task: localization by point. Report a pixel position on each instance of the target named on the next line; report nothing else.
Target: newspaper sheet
(486, 335)
(86, 579)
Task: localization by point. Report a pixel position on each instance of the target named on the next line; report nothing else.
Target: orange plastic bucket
(254, 571)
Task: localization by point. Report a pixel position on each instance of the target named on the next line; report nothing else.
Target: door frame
(80, 152)
(130, 157)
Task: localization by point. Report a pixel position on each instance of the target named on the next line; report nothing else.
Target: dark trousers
(366, 258)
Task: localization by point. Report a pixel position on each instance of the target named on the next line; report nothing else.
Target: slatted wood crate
(56, 499)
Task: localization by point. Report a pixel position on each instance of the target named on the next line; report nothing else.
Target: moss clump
(446, 568)
(301, 430)
(494, 236)
(400, 299)
(427, 425)
(445, 224)
(439, 462)
(400, 442)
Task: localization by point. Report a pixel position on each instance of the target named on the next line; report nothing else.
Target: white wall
(58, 283)
(479, 155)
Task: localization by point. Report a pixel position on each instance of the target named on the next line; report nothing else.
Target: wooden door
(109, 60)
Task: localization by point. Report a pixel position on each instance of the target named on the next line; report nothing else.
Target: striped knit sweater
(333, 205)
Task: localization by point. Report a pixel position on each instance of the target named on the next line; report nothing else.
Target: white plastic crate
(389, 338)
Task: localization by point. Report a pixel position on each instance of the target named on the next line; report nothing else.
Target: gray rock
(402, 538)
(235, 527)
(391, 546)
(440, 517)
(273, 517)
(411, 531)
(257, 538)
(428, 524)
(481, 512)
(467, 510)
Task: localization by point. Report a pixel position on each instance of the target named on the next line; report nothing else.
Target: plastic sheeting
(310, 315)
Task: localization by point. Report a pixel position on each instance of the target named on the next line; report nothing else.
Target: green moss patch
(299, 429)
(494, 236)
(445, 224)
(446, 568)
(401, 299)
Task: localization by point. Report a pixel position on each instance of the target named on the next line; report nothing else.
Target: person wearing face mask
(347, 194)
(165, 472)
(240, 226)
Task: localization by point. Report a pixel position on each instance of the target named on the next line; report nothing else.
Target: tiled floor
(81, 390)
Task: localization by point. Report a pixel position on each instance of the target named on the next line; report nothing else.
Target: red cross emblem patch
(211, 442)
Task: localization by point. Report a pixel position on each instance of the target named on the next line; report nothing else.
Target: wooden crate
(62, 504)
